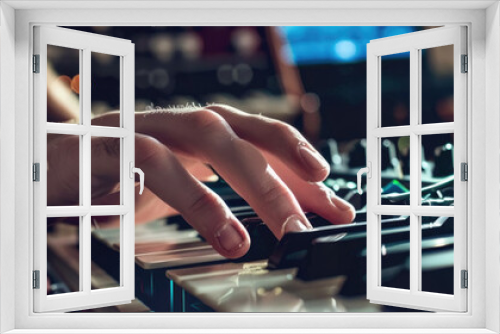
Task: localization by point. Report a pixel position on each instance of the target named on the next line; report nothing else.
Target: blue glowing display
(325, 45)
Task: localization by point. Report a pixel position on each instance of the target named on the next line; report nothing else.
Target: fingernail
(312, 159)
(294, 224)
(229, 238)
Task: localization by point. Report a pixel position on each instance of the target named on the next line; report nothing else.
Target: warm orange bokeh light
(75, 84)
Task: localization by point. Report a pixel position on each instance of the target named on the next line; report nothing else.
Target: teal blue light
(345, 49)
(171, 296)
(183, 300)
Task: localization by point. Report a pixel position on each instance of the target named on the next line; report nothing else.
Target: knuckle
(205, 120)
(111, 146)
(106, 149)
(324, 192)
(272, 194)
(202, 202)
(148, 149)
(284, 131)
(219, 108)
(213, 130)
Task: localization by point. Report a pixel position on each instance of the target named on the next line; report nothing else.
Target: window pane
(395, 253)
(437, 170)
(63, 85)
(105, 90)
(395, 170)
(63, 255)
(63, 170)
(437, 254)
(437, 84)
(105, 170)
(100, 278)
(395, 93)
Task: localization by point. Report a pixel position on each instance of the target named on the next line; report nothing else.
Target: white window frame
(414, 43)
(85, 44)
(483, 292)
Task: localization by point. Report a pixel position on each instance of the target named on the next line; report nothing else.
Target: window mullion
(85, 164)
(110, 132)
(419, 129)
(417, 137)
(415, 90)
(85, 252)
(66, 129)
(433, 129)
(404, 210)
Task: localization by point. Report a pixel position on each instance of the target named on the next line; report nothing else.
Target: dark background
(312, 77)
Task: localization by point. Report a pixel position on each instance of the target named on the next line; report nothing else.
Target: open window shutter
(417, 294)
(85, 45)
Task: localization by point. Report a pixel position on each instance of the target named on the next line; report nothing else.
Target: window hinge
(465, 64)
(36, 63)
(465, 279)
(464, 171)
(36, 279)
(36, 172)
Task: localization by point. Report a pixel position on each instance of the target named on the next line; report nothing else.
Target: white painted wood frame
(85, 43)
(414, 43)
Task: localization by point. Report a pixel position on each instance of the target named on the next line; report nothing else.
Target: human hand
(267, 162)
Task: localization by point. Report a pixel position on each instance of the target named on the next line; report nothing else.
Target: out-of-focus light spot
(143, 104)
(351, 185)
(246, 41)
(225, 74)
(310, 103)
(159, 78)
(440, 242)
(100, 107)
(101, 29)
(105, 59)
(162, 46)
(242, 74)
(345, 49)
(75, 84)
(190, 45)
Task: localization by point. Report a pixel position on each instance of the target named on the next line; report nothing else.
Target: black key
(294, 245)
(235, 201)
(335, 253)
(263, 241)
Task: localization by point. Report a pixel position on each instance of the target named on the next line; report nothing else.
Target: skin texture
(267, 162)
